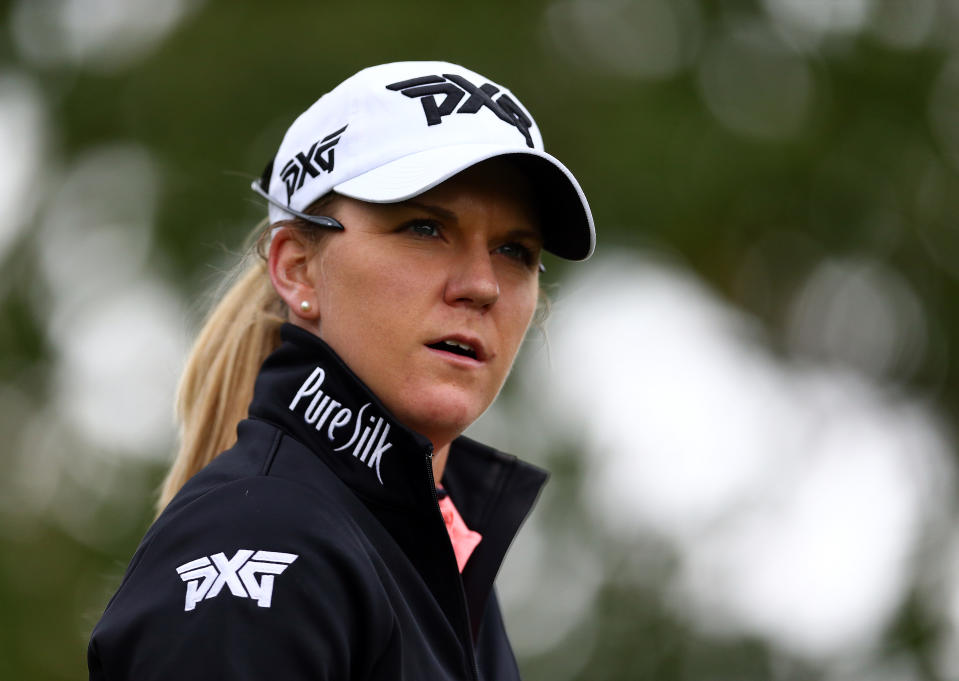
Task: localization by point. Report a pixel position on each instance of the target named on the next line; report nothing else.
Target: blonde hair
(239, 332)
(217, 383)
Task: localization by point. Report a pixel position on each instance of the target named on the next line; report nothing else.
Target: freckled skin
(460, 259)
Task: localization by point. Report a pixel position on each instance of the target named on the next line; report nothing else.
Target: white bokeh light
(942, 594)
(23, 139)
(119, 362)
(646, 39)
(904, 25)
(95, 231)
(546, 589)
(755, 84)
(861, 313)
(796, 494)
(105, 35)
(119, 332)
(821, 559)
(811, 20)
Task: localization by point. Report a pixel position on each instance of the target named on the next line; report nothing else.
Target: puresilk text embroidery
(320, 412)
(205, 577)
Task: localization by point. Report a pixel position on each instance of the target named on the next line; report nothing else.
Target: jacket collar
(306, 390)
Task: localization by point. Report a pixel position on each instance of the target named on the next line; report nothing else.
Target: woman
(408, 209)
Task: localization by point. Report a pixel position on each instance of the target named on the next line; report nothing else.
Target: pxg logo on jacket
(205, 577)
(319, 412)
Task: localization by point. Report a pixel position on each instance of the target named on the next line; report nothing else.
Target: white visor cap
(393, 131)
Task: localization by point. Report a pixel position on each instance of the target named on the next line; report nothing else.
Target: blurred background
(747, 397)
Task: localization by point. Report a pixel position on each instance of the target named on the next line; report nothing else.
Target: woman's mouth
(461, 347)
(457, 348)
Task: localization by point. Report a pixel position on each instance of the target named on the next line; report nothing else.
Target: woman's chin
(441, 415)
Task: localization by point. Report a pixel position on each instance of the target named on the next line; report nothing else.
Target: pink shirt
(464, 539)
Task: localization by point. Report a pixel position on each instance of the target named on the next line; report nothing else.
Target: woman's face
(429, 299)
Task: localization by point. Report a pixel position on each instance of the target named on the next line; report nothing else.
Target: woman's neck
(440, 454)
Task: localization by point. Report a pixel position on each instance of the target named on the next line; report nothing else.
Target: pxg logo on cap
(454, 87)
(296, 170)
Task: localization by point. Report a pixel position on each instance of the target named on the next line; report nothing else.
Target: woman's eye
(517, 252)
(424, 228)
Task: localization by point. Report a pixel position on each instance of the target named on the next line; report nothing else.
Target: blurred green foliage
(864, 175)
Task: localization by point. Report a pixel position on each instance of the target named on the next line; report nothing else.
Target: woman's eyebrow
(438, 211)
(533, 235)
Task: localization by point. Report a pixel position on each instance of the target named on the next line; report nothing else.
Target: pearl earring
(305, 306)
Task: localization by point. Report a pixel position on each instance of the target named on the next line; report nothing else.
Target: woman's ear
(289, 262)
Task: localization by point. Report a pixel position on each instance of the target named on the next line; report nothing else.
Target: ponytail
(216, 387)
(217, 384)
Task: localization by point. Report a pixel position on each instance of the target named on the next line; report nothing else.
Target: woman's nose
(472, 280)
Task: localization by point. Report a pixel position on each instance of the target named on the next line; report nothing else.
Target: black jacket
(314, 548)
